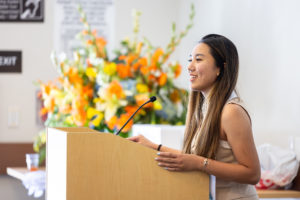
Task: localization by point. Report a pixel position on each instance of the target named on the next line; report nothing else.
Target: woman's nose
(191, 67)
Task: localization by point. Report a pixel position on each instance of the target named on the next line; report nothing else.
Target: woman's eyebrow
(200, 54)
(197, 54)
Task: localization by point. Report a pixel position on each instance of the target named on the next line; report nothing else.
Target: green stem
(153, 117)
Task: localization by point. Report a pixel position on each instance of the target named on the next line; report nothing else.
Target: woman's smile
(193, 77)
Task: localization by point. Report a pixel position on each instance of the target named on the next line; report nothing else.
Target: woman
(218, 136)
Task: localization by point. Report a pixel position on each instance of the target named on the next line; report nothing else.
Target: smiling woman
(203, 72)
(218, 136)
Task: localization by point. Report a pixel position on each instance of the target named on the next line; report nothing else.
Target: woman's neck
(206, 94)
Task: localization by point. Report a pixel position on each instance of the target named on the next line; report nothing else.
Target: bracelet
(205, 162)
(159, 146)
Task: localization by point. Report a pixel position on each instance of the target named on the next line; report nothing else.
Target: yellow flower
(98, 119)
(43, 137)
(91, 112)
(112, 97)
(142, 88)
(157, 105)
(179, 123)
(138, 48)
(110, 68)
(36, 148)
(70, 120)
(91, 73)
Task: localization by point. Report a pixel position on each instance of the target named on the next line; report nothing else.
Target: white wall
(17, 90)
(155, 21)
(266, 34)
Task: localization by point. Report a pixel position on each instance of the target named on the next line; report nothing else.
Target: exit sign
(11, 61)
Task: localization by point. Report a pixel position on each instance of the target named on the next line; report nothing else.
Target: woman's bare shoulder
(234, 120)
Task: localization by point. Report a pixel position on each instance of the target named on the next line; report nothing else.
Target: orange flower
(51, 105)
(122, 57)
(166, 57)
(131, 109)
(136, 66)
(89, 42)
(162, 80)
(74, 77)
(156, 55)
(141, 62)
(100, 42)
(144, 70)
(88, 91)
(85, 32)
(78, 111)
(115, 88)
(174, 96)
(130, 59)
(153, 68)
(112, 123)
(141, 99)
(178, 70)
(122, 120)
(151, 78)
(124, 71)
(43, 111)
(46, 89)
(88, 62)
(60, 80)
(94, 32)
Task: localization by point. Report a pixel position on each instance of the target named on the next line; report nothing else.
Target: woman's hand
(143, 141)
(179, 162)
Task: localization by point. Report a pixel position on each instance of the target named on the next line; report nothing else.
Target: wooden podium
(85, 164)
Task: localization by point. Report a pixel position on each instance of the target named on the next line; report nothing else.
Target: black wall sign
(11, 61)
(21, 10)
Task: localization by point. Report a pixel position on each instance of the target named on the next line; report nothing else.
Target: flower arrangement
(96, 91)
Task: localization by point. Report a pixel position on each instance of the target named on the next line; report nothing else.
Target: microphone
(152, 99)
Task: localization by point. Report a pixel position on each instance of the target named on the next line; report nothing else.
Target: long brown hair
(225, 55)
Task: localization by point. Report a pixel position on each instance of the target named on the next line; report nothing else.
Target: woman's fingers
(165, 159)
(173, 169)
(169, 165)
(167, 154)
(134, 138)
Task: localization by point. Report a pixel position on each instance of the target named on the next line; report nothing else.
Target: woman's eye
(198, 59)
(189, 60)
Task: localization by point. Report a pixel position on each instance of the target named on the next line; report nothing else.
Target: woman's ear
(218, 71)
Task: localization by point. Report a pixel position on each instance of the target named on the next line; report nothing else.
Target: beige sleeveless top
(221, 189)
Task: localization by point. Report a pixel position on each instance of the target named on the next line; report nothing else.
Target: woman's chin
(196, 89)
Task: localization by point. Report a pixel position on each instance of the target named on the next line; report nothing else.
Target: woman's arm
(144, 141)
(236, 126)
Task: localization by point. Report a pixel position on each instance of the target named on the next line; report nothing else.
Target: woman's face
(202, 68)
